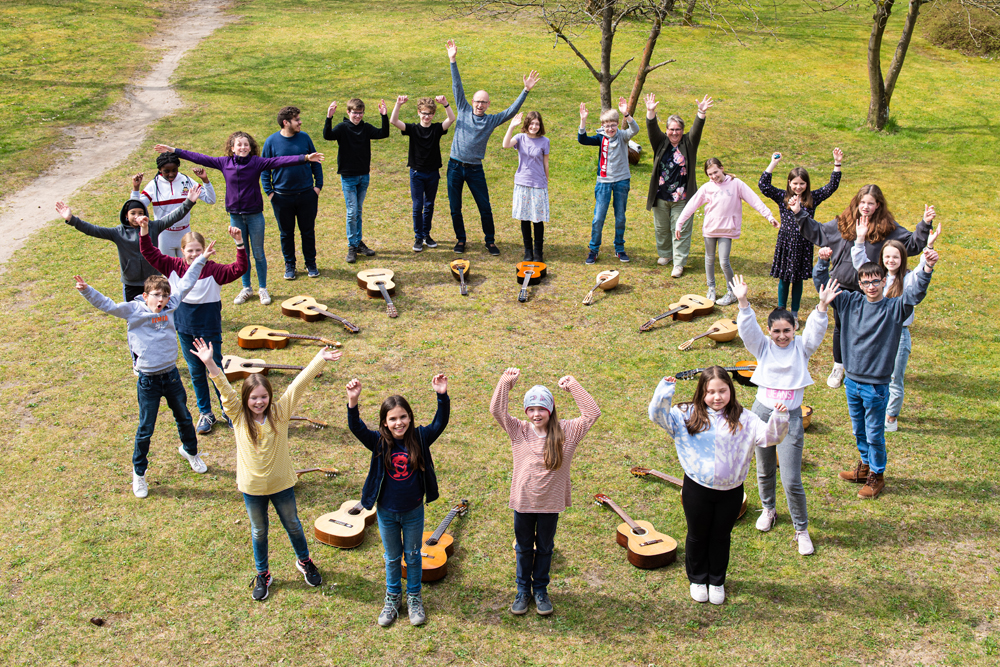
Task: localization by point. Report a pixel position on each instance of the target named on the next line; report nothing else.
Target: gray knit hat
(539, 396)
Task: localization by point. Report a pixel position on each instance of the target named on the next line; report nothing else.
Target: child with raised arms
(264, 471)
(400, 479)
(166, 191)
(715, 438)
(543, 448)
(531, 181)
(782, 374)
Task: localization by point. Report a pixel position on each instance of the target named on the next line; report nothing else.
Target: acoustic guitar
(238, 368)
(315, 423)
(741, 372)
(529, 273)
(686, 309)
(306, 308)
(330, 473)
(640, 471)
(378, 283)
(437, 546)
(254, 336)
(647, 548)
(459, 270)
(344, 528)
(605, 280)
(721, 331)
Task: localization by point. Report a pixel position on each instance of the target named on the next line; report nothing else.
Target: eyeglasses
(480, 101)
(158, 295)
(355, 112)
(426, 113)
(869, 283)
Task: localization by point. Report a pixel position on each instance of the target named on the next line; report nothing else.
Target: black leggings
(710, 515)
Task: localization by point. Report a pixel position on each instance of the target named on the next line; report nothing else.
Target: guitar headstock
(640, 471)
(331, 343)
(390, 310)
(350, 326)
(647, 326)
(687, 375)
(329, 472)
(601, 499)
(462, 507)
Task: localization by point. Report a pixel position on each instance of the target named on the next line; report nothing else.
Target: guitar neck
(338, 318)
(390, 307)
(667, 478)
(436, 536)
(295, 336)
(666, 314)
(523, 296)
(621, 513)
(461, 280)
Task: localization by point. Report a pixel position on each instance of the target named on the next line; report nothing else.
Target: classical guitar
(741, 372)
(721, 331)
(529, 273)
(647, 548)
(640, 471)
(605, 280)
(686, 309)
(344, 528)
(306, 308)
(238, 368)
(329, 472)
(459, 270)
(378, 283)
(437, 546)
(315, 423)
(254, 336)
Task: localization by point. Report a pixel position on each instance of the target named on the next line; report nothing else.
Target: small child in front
(153, 339)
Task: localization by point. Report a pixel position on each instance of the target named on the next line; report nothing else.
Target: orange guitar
(721, 331)
(460, 270)
(253, 337)
(378, 283)
(640, 471)
(238, 368)
(306, 308)
(437, 546)
(686, 309)
(647, 548)
(344, 528)
(529, 273)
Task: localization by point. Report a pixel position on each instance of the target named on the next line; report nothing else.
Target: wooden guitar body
(606, 280)
(724, 330)
(252, 337)
(238, 368)
(369, 280)
(306, 308)
(344, 528)
(692, 306)
(649, 550)
(537, 269)
(435, 547)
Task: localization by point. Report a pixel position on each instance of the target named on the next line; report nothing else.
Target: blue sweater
(472, 132)
(290, 180)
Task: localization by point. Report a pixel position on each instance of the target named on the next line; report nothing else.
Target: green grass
(907, 579)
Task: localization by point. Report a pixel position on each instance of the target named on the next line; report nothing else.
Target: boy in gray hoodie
(153, 339)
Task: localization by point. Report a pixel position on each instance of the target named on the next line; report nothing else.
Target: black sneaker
(309, 571)
(493, 249)
(365, 250)
(352, 254)
(459, 247)
(260, 585)
(520, 605)
(429, 242)
(418, 245)
(542, 604)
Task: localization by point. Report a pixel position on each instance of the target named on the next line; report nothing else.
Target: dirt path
(101, 147)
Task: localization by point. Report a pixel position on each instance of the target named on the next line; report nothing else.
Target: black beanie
(128, 206)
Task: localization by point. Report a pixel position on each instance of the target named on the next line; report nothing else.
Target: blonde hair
(192, 236)
(610, 114)
(427, 103)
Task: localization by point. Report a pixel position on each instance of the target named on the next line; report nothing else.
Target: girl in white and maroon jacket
(167, 191)
(723, 197)
(543, 449)
(200, 313)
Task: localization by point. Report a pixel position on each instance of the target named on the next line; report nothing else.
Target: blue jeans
(602, 197)
(150, 389)
(284, 505)
(423, 190)
(536, 535)
(896, 385)
(459, 174)
(355, 188)
(199, 379)
(866, 403)
(789, 451)
(402, 534)
(252, 226)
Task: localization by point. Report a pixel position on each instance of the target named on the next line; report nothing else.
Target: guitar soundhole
(638, 531)
(354, 511)
(431, 542)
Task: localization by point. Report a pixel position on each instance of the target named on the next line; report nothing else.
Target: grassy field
(907, 579)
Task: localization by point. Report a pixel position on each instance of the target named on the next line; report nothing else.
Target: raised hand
(704, 105)
(65, 211)
(81, 284)
(194, 192)
(200, 173)
(381, 107)
(776, 157)
(353, 392)
(827, 293)
(511, 375)
(441, 99)
(826, 252)
(565, 382)
(440, 383)
(861, 228)
(452, 50)
(332, 109)
(671, 379)
(930, 259)
(794, 203)
(401, 100)
(583, 111)
(137, 182)
(163, 148)
(237, 234)
(739, 288)
(330, 354)
(202, 350)
(651, 103)
(318, 157)
(838, 156)
(933, 236)
(516, 120)
(208, 252)
(929, 213)
(623, 106)
(530, 79)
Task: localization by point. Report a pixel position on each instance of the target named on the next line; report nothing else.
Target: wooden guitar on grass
(378, 283)
(254, 336)
(647, 548)
(329, 472)
(741, 372)
(686, 309)
(640, 471)
(529, 273)
(238, 368)
(459, 270)
(306, 308)
(721, 331)
(605, 280)
(437, 546)
(344, 528)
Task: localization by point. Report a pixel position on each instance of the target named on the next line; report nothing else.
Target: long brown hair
(530, 116)
(807, 196)
(896, 288)
(228, 150)
(880, 225)
(409, 438)
(698, 420)
(554, 441)
(252, 382)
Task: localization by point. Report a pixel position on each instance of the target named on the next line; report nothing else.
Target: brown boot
(873, 485)
(858, 475)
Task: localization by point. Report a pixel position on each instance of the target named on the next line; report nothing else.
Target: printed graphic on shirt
(401, 469)
(602, 165)
(780, 394)
(160, 322)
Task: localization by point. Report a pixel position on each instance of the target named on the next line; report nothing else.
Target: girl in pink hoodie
(723, 197)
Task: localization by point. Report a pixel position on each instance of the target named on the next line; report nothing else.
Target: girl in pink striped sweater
(543, 449)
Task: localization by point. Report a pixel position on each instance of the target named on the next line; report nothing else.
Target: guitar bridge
(646, 544)
(341, 523)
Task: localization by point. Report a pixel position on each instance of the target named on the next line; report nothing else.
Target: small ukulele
(459, 270)
(238, 368)
(253, 336)
(640, 471)
(316, 423)
(378, 283)
(344, 528)
(686, 309)
(437, 546)
(605, 280)
(741, 372)
(329, 472)
(721, 331)
(529, 273)
(305, 308)
(647, 548)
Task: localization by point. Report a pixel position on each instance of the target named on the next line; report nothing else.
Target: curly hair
(228, 150)
(881, 224)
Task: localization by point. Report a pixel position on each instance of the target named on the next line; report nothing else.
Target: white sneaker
(727, 299)
(766, 519)
(891, 426)
(196, 463)
(139, 487)
(265, 298)
(677, 272)
(663, 261)
(699, 592)
(716, 594)
(836, 376)
(242, 297)
(710, 295)
(805, 543)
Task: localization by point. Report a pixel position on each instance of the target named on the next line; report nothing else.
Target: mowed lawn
(909, 578)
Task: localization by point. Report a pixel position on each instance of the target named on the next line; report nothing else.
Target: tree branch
(658, 65)
(615, 75)
(559, 34)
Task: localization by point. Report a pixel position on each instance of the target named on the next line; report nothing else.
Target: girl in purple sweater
(241, 166)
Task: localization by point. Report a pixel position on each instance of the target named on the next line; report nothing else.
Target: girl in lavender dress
(531, 181)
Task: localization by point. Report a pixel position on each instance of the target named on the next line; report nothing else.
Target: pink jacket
(724, 207)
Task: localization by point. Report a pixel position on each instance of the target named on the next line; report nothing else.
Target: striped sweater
(533, 487)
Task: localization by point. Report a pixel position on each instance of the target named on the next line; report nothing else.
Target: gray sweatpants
(725, 247)
(789, 451)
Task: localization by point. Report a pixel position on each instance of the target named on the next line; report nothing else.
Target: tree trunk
(607, 39)
(647, 55)
(689, 13)
(882, 88)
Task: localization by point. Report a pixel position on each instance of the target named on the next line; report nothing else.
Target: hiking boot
(139, 487)
(766, 520)
(290, 273)
(804, 543)
(312, 272)
(677, 272)
(542, 604)
(196, 463)
(391, 609)
(699, 592)
(859, 474)
(205, 423)
(415, 607)
(309, 571)
(459, 247)
(520, 605)
(873, 485)
(365, 250)
(836, 376)
(261, 584)
(591, 257)
(418, 245)
(493, 249)
(352, 254)
(623, 257)
(265, 298)
(716, 594)
(243, 296)
(429, 242)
